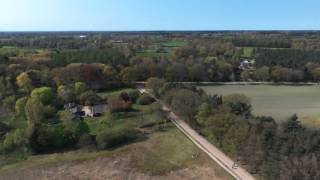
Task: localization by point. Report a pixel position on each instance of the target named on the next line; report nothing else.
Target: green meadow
(280, 102)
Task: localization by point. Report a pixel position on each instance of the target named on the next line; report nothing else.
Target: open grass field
(164, 155)
(248, 52)
(279, 102)
(168, 46)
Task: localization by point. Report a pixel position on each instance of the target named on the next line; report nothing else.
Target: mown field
(248, 52)
(279, 102)
(167, 46)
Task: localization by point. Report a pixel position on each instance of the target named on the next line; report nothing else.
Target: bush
(4, 128)
(118, 105)
(145, 99)
(114, 138)
(13, 141)
(75, 128)
(134, 95)
(124, 96)
(52, 137)
(9, 103)
(86, 140)
(20, 104)
(90, 98)
(155, 84)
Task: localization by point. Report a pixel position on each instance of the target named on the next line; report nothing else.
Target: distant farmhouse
(246, 64)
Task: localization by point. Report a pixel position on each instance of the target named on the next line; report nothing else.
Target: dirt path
(223, 160)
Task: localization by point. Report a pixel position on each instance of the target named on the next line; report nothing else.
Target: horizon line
(217, 30)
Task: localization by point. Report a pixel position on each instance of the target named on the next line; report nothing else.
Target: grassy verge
(40, 160)
(167, 152)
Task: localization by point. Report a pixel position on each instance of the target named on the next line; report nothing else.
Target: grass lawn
(248, 52)
(280, 102)
(141, 115)
(105, 122)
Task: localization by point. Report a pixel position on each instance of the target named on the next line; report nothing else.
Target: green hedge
(114, 138)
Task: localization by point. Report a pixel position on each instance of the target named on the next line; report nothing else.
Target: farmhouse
(96, 110)
(246, 64)
(89, 111)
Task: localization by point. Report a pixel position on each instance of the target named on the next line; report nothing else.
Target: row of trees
(199, 60)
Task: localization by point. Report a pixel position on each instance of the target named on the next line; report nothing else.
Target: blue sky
(111, 15)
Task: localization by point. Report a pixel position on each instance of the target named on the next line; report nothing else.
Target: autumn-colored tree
(262, 74)
(79, 88)
(24, 82)
(65, 93)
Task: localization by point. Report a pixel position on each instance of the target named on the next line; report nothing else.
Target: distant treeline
(291, 58)
(262, 42)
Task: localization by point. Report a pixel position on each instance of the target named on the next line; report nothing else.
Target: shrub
(20, 104)
(145, 99)
(118, 105)
(134, 95)
(79, 88)
(9, 103)
(114, 138)
(14, 140)
(155, 84)
(51, 137)
(124, 96)
(86, 140)
(89, 98)
(75, 128)
(4, 128)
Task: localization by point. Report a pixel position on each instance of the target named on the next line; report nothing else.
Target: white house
(95, 110)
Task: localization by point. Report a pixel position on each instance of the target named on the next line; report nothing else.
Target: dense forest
(41, 73)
